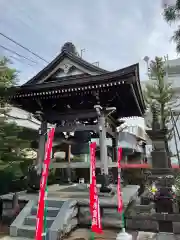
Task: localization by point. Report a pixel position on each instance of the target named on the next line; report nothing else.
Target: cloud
(115, 33)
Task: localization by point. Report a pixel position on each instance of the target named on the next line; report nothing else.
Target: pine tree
(10, 143)
(172, 15)
(159, 90)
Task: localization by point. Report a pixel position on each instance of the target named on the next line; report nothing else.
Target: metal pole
(175, 139)
(174, 133)
(175, 125)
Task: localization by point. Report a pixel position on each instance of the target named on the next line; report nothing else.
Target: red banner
(120, 201)
(119, 158)
(119, 194)
(44, 177)
(94, 200)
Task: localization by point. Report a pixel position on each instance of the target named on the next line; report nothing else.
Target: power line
(12, 51)
(20, 45)
(20, 60)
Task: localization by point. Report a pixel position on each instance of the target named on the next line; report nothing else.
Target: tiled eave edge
(65, 90)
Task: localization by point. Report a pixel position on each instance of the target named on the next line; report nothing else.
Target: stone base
(105, 188)
(163, 176)
(142, 225)
(159, 159)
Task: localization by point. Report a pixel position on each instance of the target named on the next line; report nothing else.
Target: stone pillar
(103, 145)
(103, 153)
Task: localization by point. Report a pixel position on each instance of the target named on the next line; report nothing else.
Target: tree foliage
(172, 15)
(10, 143)
(159, 90)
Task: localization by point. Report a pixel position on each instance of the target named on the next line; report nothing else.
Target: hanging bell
(82, 137)
(80, 148)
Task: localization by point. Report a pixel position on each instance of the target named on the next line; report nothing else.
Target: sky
(116, 33)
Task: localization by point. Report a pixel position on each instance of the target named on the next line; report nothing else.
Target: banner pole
(41, 225)
(93, 194)
(90, 182)
(92, 237)
(122, 234)
(45, 213)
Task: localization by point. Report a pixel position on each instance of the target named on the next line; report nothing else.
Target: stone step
(51, 211)
(26, 231)
(54, 203)
(31, 220)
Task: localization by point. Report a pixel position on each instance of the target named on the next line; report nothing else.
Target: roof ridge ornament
(70, 48)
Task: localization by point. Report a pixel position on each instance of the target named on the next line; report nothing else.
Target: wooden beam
(110, 132)
(80, 127)
(53, 115)
(112, 121)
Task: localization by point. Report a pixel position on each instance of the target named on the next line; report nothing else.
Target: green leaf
(11, 144)
(159, 90)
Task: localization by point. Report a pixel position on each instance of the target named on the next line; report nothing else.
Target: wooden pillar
(42, 143)
(68, 159)
(115, 147)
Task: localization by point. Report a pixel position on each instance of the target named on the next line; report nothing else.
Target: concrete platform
(57, 193)
(78, 192)
(85, 233)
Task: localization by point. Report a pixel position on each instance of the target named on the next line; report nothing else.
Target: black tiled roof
(123, 75)
(56, 61)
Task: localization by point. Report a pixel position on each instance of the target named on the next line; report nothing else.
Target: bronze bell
(81, 145)
(80, 148)
(82, 137)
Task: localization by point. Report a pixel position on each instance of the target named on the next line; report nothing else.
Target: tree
(159, 91)
(171, 15)
(10, 142)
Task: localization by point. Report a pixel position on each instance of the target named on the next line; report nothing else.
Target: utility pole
(146, 59)
(82, 51)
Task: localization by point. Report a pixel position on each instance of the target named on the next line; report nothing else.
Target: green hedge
(13, 177)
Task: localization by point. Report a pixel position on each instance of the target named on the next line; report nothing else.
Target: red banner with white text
(43, 182)
(119, 194)
(94, 200)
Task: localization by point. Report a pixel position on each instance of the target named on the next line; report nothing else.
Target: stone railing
(19, 221)
(65, 221)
